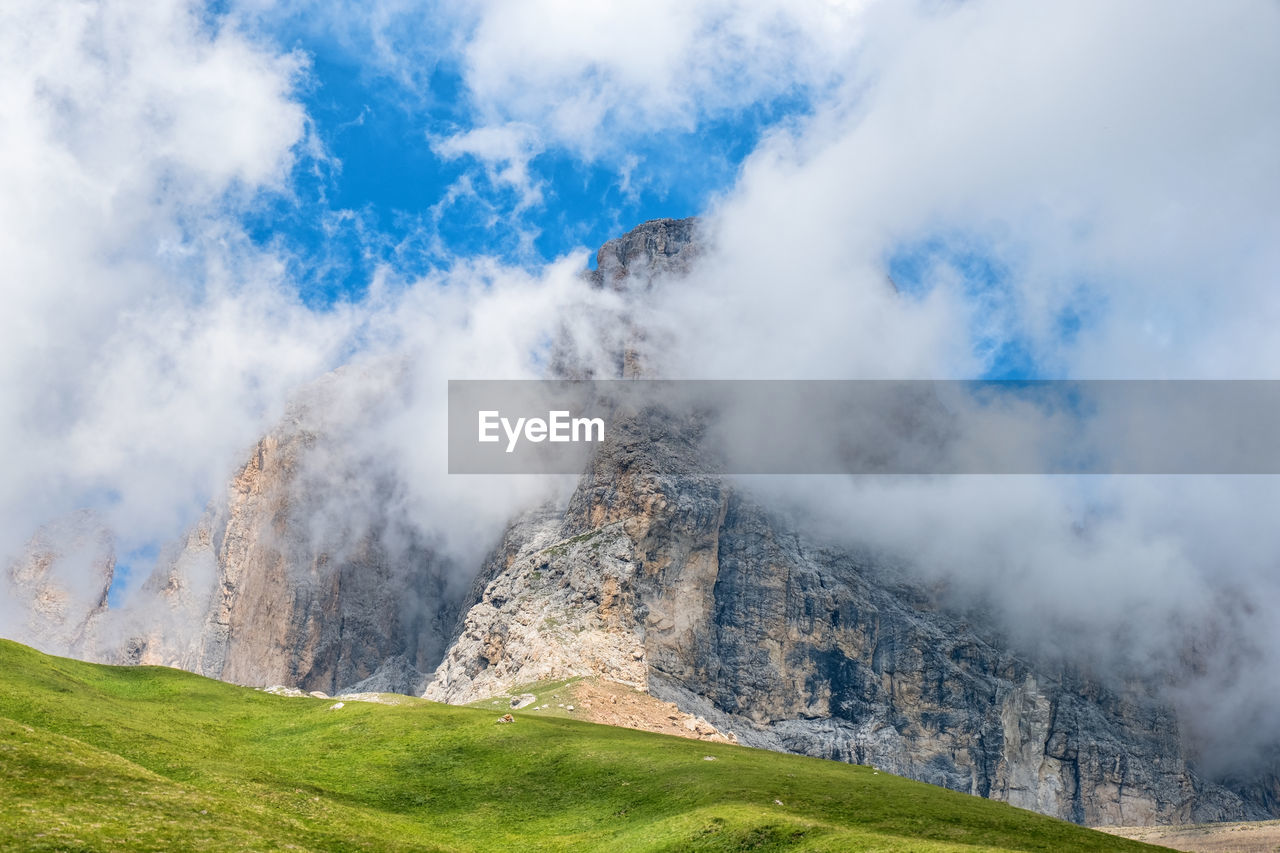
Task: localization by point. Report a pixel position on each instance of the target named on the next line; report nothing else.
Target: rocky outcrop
(292, 580)
(56, 590)
(547, 613)
(307, 575)
(689, 588)
(628, 267)
(657, 249)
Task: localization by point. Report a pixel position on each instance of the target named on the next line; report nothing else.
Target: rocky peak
(651, 575)
(653, 249)
(631, 266)
(303, 573)
(682, 586)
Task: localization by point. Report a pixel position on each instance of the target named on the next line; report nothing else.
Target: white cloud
(145, 342)
(1116, 157)
(506, 151)
(139, 329)
(1110, 155)
(589, 76)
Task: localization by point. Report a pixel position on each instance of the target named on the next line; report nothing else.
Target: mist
(1113, 163)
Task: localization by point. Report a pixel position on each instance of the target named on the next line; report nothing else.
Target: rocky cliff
(687, 587)
(676, 583)
(291, 580)
(690, 589)
(58, 586)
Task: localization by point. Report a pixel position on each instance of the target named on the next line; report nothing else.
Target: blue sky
(1077, 189)
(378, 194)
(1044, 215)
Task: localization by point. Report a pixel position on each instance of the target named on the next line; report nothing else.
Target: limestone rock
(648, 575)
(57, 588)
(290, 580)
(552, 612)
(746, 626)
(655, 249)
(688, 589)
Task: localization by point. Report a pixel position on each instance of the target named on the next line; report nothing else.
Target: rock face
(629, 266)
(657, 249)
(553, 607)
(289, 582)
(682, 585)
(57, 589)
(650, 575)
(690, 589)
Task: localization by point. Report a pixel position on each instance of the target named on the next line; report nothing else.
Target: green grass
(555, 694)
(147, 758)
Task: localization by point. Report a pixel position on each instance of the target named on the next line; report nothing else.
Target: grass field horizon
(95, 757)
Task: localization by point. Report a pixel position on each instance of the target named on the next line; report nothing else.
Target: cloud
(505, 151)
(134, 136)
(606, 85)
(588, 77)
(147, 342)
(1114, 161)
(586, 74)
(405, 41)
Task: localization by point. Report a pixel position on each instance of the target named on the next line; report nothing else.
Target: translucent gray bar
(868, 426)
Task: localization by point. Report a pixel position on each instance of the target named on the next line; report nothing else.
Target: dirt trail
(612, 704)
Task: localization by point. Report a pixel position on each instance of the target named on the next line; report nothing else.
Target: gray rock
(655, 249)
(739, 619)
(291, 580)
(744, 623)
(394, 675)
(669, 582)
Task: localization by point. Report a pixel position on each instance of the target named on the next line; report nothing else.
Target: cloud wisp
(1115, 163)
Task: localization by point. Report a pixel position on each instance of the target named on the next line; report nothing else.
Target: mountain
(291, 580)
(58, 586)
(683, 585)
(653, 575)
(688, 588)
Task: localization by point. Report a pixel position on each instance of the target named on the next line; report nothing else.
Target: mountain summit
(673, 582)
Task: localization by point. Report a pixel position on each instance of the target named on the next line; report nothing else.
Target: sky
(426, 150)
(206, 208)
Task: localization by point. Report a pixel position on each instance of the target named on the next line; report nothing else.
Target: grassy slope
(109, 758)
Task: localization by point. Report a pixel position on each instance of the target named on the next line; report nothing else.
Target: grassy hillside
(145, 758)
